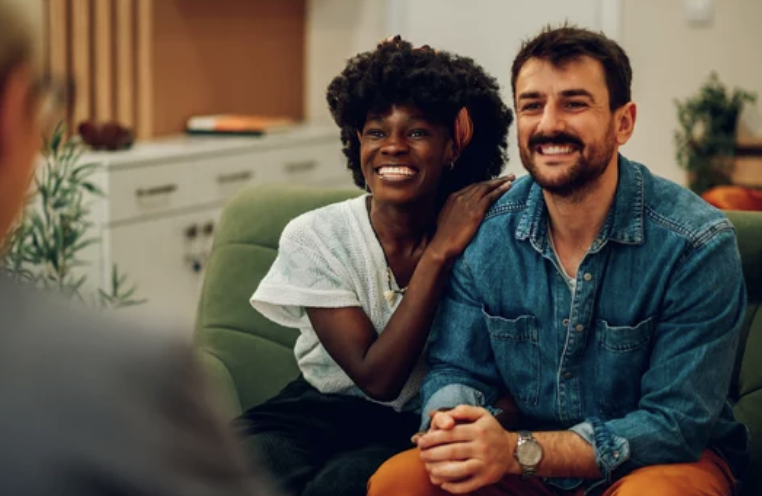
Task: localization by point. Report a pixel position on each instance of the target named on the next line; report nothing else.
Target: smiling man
(606, 300)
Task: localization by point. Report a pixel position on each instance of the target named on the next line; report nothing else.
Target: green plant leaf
(705, 138)
(45, 247)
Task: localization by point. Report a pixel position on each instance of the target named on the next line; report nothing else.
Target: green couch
(251, 359)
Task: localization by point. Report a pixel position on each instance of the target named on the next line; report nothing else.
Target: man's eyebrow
(577, 92)
(534, 95)
(530, 95)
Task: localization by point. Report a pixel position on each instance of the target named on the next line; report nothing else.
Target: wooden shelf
(153, 63)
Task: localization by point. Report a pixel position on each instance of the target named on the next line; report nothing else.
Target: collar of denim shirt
(624, 223)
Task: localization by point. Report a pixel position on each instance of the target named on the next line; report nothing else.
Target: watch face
(529, 453)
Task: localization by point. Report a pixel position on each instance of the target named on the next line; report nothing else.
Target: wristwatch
(528, 453)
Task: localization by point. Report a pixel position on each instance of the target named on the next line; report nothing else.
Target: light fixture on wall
(699, 13)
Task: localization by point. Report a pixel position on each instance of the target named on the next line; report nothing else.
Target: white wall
(490, 31)
(671, 59)
(337, 30)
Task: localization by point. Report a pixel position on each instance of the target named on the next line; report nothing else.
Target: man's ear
(625, 122)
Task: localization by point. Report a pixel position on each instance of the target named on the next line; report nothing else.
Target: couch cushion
(746, 389)
(748, 408)
(239, 345)
(749, 228)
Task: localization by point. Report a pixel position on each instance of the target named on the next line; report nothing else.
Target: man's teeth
(396, 171)
(556, 150)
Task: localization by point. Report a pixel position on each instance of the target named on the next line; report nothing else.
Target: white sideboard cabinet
(164, 198)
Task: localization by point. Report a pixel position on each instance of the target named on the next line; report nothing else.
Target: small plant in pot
(706, 137)
(46, 245)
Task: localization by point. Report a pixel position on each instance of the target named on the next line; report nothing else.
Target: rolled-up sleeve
(462, 367)
(685, 386)
(610, 450)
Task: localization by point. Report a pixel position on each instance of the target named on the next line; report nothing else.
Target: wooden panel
(145, 69)
(103, 50)
(81, 62)
(57, 21)
(125, 62)
(150, 64)
(36, 10)
(226, 56)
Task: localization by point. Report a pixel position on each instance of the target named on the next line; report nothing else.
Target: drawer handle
(156, 190)
(235, 177)
(304, 166)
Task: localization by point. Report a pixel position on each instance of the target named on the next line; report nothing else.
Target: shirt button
(588, 276)
(568, 375)
(565, 322)
(616, 455)
(580, 328)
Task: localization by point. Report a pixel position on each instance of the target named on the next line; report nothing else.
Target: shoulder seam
(695, 238)
(507, 208)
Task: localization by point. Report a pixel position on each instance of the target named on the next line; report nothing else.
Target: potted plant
(45, 246)
(706, 137)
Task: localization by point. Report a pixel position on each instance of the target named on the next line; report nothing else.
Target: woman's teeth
(396, 171)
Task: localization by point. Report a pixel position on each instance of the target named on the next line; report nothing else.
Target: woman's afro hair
(439, 84)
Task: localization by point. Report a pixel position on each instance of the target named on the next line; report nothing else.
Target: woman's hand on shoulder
(463, 213)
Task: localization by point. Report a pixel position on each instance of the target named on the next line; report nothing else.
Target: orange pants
(405, 475)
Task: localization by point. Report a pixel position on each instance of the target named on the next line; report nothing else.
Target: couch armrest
(221, 384)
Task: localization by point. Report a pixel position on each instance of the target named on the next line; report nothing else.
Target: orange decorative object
(734, 198)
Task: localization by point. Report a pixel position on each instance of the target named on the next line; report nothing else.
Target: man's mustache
(555, 139)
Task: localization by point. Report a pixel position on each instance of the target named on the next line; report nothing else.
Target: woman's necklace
(390, 294)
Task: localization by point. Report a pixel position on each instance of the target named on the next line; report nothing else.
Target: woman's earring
(452, 165)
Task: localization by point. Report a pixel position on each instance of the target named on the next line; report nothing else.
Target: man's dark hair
(439, 84)
(567, 43)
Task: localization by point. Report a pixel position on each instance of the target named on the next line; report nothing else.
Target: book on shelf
(235, 124)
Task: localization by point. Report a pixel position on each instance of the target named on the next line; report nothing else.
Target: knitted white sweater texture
(331, 258)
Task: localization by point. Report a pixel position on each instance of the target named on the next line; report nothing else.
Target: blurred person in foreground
(89, 408)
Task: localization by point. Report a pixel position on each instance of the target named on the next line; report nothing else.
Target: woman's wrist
(435, 257)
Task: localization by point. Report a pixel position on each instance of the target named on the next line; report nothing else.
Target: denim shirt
(637, 360)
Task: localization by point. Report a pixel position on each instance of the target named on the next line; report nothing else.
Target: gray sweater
(89, 406)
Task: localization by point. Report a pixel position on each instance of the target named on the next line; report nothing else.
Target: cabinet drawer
(160, 188)
(316, 164)
(220, 177)
(145, 191)
(313, 164)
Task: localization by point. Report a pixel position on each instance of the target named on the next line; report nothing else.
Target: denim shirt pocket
(517, 354)
(622, 359)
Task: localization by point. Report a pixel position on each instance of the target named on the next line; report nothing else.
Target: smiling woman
(403, 154)
(447, 92)
(424, 132)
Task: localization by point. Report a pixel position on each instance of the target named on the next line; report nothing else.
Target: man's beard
(593, 161)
